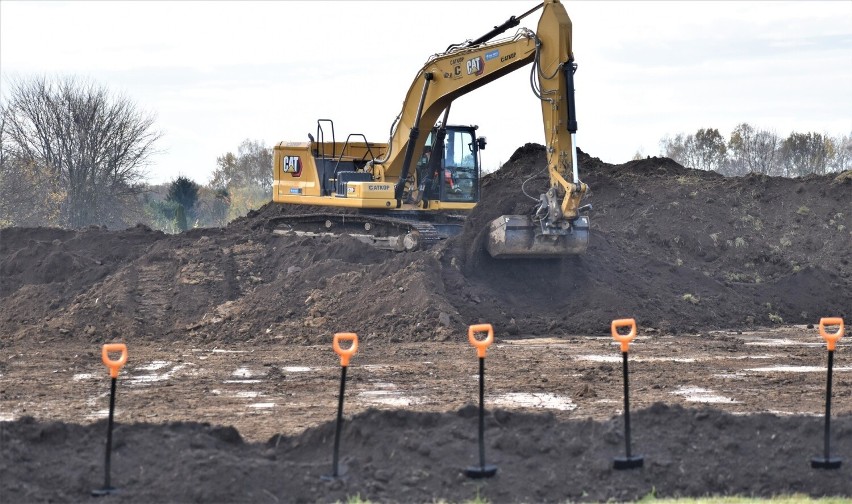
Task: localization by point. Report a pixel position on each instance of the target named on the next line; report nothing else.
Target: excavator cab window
(459, 180)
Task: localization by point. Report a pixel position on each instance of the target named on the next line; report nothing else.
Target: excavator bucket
(520, 237)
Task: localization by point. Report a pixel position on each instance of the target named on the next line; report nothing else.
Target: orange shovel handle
(481, 345)
(624, 339)
(114, 365)
(831, 338)
(345, 353)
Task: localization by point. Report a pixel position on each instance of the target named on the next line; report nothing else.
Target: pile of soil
(680, 250)
(403, 456)
(675, 248)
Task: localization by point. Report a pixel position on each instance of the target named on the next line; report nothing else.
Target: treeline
(752, 150)
(73, 154)
(240, 182)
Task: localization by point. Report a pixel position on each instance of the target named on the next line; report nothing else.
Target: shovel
(482, 470)
(345, 354)
(114, 366)
(628, 461)
(826, 461)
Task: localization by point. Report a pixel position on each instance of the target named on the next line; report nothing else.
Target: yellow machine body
(430, 167)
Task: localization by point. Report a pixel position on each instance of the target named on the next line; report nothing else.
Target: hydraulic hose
(412, 140)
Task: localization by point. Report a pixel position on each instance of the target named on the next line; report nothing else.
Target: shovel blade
(479, 472)
(520, 237)
(622, 463)
(826, 463)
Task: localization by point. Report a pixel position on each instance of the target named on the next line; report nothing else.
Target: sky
(217, 73)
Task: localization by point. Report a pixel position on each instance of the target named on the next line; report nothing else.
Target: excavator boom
(556, 228)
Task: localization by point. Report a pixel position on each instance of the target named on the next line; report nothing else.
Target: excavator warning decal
(292, 165)
(475, 66)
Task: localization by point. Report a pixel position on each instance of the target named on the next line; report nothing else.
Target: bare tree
(752, 151)
(226, 174)
(705, 150)
(805, 153)
(251, 166)
(674, 148)
(92, 144)
(709, 149)
(29, 195)
(841, 155)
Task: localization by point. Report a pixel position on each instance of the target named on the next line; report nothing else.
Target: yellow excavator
(414, 190)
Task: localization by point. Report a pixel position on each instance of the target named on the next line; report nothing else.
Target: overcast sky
(216, 73)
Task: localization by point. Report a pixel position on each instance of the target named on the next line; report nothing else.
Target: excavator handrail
(346, 143)
(321, 137)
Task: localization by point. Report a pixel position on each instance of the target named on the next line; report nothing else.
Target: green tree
(180, 218)
(184, 192)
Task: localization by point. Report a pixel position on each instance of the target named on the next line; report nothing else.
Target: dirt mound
(401, 456)
(675, 248)
(678, 249)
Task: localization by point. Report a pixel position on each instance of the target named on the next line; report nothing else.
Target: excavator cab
(454, 176)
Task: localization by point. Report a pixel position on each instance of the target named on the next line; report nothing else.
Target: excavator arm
(556, 228)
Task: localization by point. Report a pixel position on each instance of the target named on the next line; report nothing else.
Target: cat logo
(291, 164)
(382, 187)
(475, 66)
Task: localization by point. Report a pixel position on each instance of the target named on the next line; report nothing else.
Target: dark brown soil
(686, 253)
(404, 456)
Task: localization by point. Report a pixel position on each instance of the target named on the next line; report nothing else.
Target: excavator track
(387, 233)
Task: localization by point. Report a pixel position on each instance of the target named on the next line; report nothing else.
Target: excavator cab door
(459, 176)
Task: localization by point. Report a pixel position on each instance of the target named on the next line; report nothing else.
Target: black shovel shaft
(109, 434)
(626, 404)
(828, 402)
(482, 412)
(339, 420)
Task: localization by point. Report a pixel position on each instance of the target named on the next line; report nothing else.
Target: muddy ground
(231, 387)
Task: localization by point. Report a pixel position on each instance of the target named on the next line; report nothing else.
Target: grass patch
(835, 221)
(753, 221)
(652, 497)
(782, 499)
(689, 298)
(715, 238)
(742, 277)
